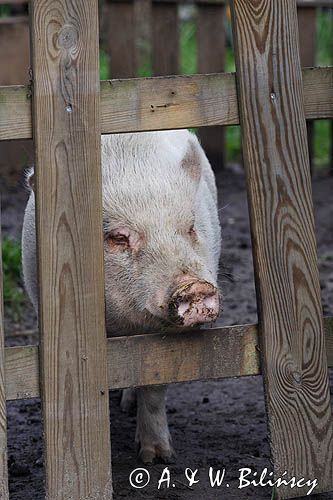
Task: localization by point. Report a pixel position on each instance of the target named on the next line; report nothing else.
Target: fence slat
(284, 247)
(307, 44)
(4, 495)
(121, 39)
(164, 103)
(236, 346)
(165, 35)
(211, 59)
(73, 373)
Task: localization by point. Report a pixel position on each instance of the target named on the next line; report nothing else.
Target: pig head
(161, 232)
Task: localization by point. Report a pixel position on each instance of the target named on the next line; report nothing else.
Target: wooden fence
(152, 34)
(65, 112)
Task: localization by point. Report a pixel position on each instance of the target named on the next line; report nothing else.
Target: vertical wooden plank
(165, 35)
(14, 51)
(14, 70)
(211, 59)
(121, 39)
(284, 247)
(4, 495)
(307, 45)
(66, 131)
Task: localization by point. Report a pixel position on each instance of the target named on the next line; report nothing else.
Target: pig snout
(195, 303)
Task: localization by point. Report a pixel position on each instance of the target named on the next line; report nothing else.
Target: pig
(162, 242)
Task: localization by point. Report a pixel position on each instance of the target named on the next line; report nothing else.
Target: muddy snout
(194, 303)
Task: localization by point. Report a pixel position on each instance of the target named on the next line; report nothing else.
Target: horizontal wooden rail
(4, 21)
(161, 103)
(159, 358)
(300, 3)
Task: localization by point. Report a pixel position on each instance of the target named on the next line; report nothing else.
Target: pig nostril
(195, 303)
(182, 308)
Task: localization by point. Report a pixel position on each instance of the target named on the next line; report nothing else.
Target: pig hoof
(128, 401)
(151, 454)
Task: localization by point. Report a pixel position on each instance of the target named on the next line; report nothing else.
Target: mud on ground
(219, 424)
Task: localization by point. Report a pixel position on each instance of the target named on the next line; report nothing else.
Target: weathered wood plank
(284, 247)
(121, 39)
(165, 37)
(166, 102)
(3, 411)
(236, 346)
(305, 3)
(14, 52)
(211, 58)
(315, 3)
(11, 2)
(73, 370)
(307, 44)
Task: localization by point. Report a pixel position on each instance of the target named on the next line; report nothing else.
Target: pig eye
(191, 231)
(117, 239)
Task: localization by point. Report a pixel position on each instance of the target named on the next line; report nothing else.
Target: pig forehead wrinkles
(161, 223)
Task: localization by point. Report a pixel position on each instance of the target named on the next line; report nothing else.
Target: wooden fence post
(3, 418)
(165, 34)
(284, 248)
(211, 59)
(66, 131)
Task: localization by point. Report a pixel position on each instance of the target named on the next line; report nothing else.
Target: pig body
(161, 251)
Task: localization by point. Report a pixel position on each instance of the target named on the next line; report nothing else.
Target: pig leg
(128, 400)
(152, 433)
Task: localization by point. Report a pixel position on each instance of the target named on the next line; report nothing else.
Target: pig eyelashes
(123, 238)
(192, 233)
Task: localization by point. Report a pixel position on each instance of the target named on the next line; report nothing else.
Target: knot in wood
(297, 378)
(68, 37)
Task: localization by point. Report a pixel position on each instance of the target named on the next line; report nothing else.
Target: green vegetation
(4, 10)
(13, 293)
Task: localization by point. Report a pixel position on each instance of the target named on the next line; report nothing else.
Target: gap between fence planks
(3, 419)
(73, 358)
(159, 103)
(211, 33)
(276, 163)
(159, 358)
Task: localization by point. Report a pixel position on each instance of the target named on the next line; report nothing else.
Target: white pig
(161, 252)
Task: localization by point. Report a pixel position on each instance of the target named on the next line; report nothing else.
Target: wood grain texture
(165, 36)
(211, 59)
(121, 42)
(165, 103)
(232, 351)
(284, 247)
(4, 495)
(73, 370)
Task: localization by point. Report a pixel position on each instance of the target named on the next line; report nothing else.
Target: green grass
(103, 65)
(13, 293)
(188, 48)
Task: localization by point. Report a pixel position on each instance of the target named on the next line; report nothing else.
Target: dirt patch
(220, 424)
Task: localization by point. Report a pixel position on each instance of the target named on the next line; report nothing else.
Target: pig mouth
(195, 303)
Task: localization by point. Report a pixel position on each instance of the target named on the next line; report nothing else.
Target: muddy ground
(220, 424)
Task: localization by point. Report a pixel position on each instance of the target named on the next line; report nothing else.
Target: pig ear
(191, 162)
(30, 179)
